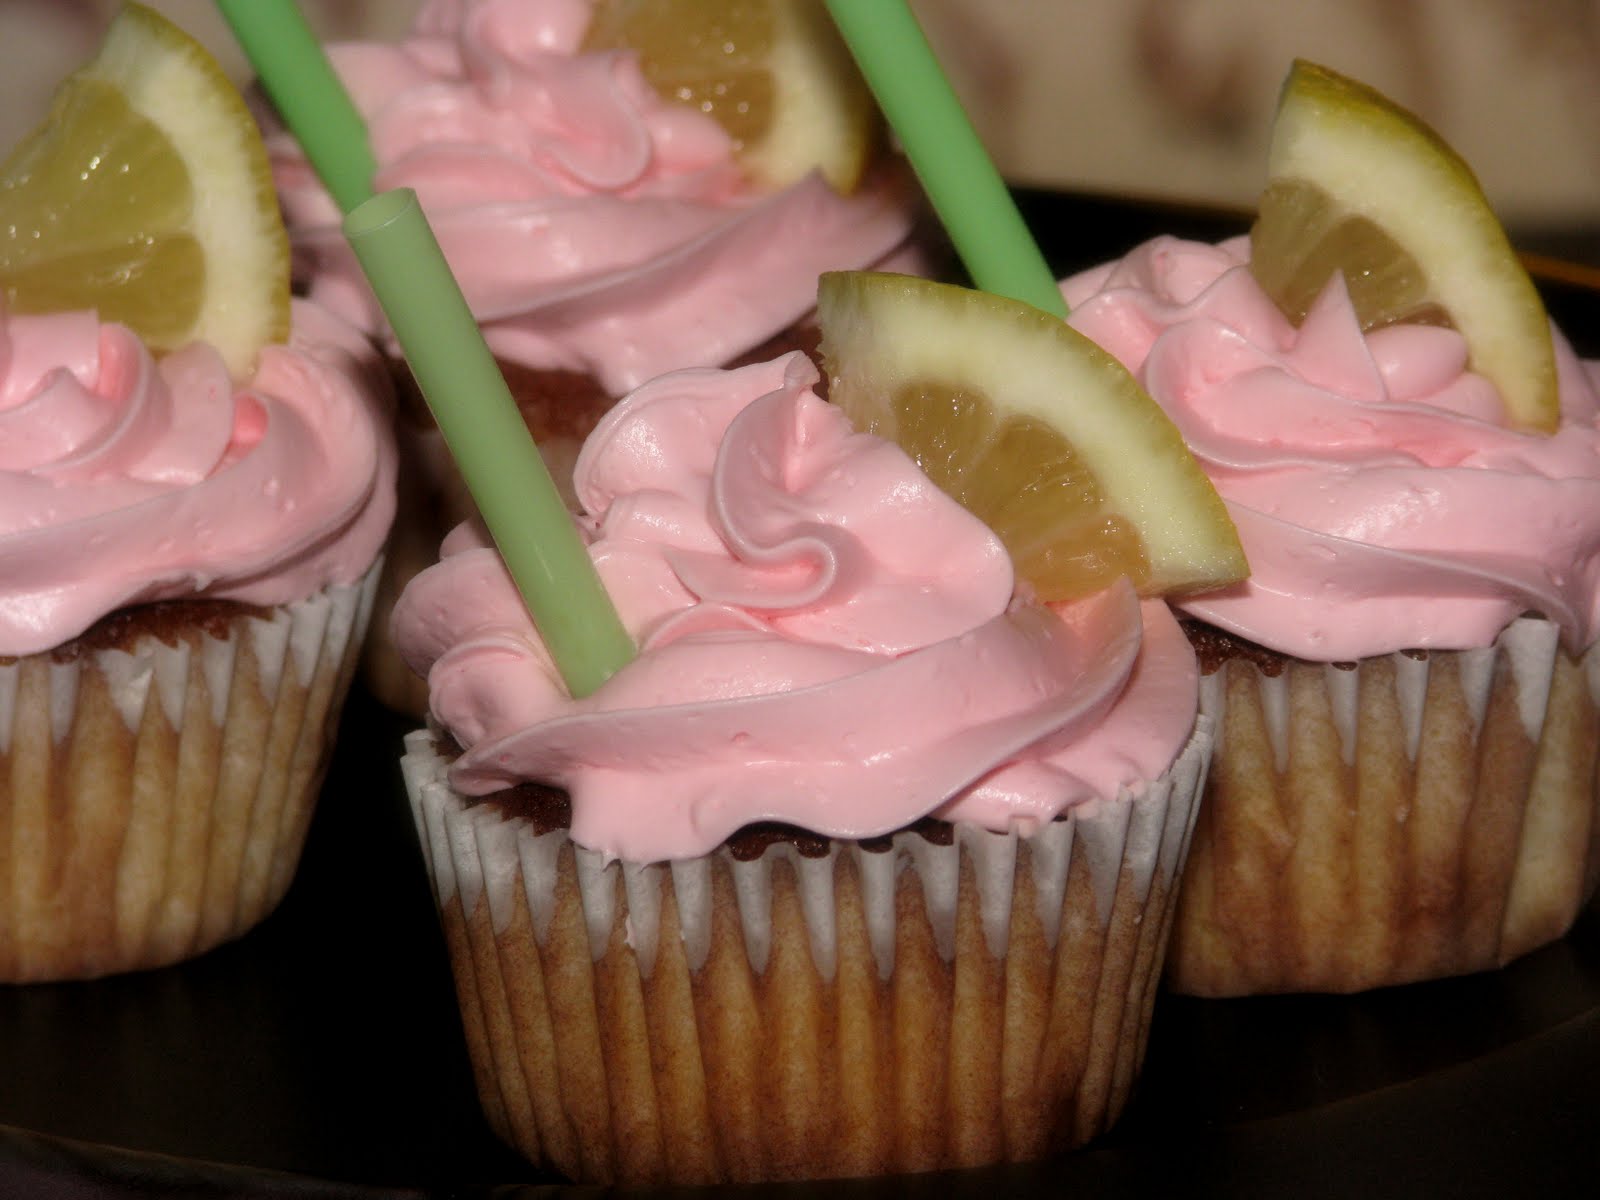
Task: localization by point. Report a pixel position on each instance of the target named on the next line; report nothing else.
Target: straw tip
(380, 210)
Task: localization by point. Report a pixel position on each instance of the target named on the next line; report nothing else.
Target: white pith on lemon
(1357, 184)
(774, 73)
(146, 195)
(1035, 429)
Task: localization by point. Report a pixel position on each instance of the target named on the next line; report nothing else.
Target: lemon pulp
(146, 196)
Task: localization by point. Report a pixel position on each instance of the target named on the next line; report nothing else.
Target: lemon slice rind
(189, 97)
(822, 115)
(881, 330)
(1371, 158)
(169, 79)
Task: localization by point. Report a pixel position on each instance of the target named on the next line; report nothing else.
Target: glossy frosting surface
(593, 227)
(126, 479)
(826, 639)
(1382, 503)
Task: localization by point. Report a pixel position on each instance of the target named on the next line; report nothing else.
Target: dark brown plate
(320, 1056)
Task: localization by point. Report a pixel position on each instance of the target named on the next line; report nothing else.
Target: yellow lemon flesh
(1033, 428)
(773, 73)
(146, 195)
(1358, 185)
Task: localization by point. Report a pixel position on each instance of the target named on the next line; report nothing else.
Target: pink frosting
(593, 227)
(1382, 503)
(826, 639)
(124, 479)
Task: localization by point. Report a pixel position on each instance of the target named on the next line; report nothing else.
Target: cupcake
(189, 566)
(1405, 689)
(863, 865)
(602, 235)
(196, 480)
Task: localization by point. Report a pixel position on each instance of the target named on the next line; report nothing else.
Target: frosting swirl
(593, 227)
(124, 479)
(826, 639)
(1382, 502)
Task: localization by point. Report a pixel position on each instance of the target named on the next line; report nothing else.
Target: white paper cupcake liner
(1405, 817)
(153, 801)
(858, 1012)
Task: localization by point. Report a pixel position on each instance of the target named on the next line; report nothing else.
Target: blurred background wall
(1155, 97)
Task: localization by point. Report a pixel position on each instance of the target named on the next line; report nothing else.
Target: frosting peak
(826, 639)
(1382, 503)
(124, 479)
(593, 226)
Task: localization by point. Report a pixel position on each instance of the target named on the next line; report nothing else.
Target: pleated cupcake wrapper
(857, 1013)
(153, 801)
(1403, 818)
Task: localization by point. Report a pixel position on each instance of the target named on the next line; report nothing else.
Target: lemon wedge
(773, 73)
(1033, 428)
(146, 196)
(1359, 185)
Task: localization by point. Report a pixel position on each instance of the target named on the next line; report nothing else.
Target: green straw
(313, 103)
(463, 386)
(966, 191)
